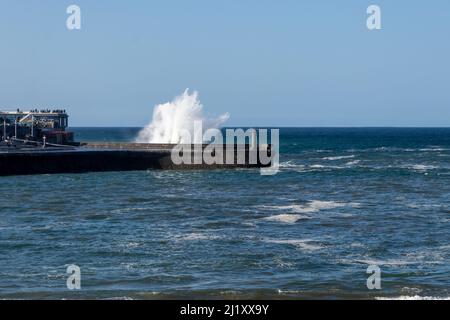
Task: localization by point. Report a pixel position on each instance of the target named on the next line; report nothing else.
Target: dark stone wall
(78, 160)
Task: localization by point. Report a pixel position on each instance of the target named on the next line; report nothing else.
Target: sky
(267, 63)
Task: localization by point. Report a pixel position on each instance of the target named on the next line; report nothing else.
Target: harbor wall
(100, 157)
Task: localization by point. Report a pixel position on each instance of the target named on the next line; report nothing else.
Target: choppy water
(344, 199)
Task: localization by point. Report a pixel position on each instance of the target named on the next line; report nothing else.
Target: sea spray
(172, 119)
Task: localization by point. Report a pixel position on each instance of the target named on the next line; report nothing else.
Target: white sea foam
(390, 262)
(322, 150)
(318, 166)
(320, 205)
(286, 218)
(286, 164)
(356, 245)
(283, 264)
(291, 165)
(289, 291)
(338, 157)
(132, 244)
(433, 149)
(416, 297)
(346, 215)
(311, 206)
(352, 163)
(194, 236)
(130, 209)
(414, 205)
(298, 212)
(303, 244)
(421, 167)
(397, 149)
(172, 119)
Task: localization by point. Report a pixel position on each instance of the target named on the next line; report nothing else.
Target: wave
(300, 212)
(433, 149)
(119, 298)
(292, 166)
(435, 256)
(304, 244)
(174, 122)
(420, 167)
(320, 166)
(338, 157)
(411, 167)
(416, 297)
(195, 236)
(130, 245)
(312, 206)
(286, 218)
(130, 209)
(399, 149)
(391, 262)
(352, 163)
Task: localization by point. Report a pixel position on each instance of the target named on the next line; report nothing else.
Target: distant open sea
(344, 199)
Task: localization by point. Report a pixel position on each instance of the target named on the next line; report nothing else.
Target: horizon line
(289, 127)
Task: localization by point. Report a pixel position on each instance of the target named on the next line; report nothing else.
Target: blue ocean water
(344, 199)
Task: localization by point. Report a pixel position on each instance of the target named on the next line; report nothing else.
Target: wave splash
(172, 119)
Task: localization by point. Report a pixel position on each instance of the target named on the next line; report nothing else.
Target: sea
(353, 213)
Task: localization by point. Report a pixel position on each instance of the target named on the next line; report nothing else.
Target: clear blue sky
(267, 63)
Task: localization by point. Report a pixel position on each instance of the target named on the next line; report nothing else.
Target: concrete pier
(93, 157)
